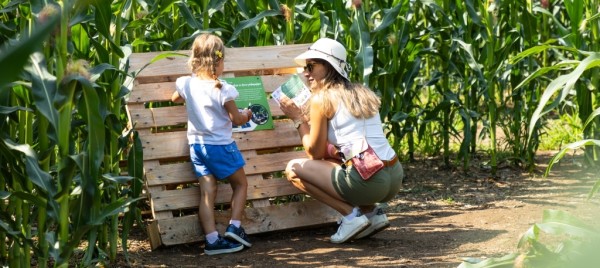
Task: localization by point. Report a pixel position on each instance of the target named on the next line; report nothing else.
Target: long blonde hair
(206, 52)
(360, 101)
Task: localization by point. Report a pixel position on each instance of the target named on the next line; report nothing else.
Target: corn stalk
(57, 173)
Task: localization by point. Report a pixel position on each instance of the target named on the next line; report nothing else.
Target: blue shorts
(219, 160)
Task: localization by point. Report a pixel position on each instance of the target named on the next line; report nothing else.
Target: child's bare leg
(239, 184)
(206, 209)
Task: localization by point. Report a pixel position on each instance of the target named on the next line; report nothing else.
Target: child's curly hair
(206, 52)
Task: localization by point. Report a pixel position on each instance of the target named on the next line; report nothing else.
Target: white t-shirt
(345, 129)
(208, 120)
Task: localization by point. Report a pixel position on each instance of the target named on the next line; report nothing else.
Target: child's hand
(248, 113)
(175, 97)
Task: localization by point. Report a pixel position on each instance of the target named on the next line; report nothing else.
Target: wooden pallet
(274, 204)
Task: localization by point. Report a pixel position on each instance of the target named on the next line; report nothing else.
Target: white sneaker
(379, 221)
(349, 229)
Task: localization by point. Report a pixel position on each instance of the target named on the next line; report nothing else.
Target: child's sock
(236, 223)
(212, 237)
(355, 212)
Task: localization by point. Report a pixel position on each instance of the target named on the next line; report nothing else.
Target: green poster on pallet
(252, 96)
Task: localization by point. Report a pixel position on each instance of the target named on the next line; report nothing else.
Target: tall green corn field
(452, 75)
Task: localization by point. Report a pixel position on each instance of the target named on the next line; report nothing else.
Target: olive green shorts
(382, 187)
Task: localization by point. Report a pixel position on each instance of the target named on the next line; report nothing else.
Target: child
(211, 112)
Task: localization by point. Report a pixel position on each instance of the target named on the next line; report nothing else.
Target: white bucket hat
(326, 49)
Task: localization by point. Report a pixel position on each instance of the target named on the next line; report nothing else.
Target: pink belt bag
(366, 162)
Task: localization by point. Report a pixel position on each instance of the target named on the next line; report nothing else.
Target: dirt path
(439, 218)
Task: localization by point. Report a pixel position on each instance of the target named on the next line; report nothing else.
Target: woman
(342, 115)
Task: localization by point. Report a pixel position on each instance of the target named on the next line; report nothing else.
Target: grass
(560, 131)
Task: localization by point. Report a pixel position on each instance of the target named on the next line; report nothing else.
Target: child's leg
(206, 209)
(239, 184)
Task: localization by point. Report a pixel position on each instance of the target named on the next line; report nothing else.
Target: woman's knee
(291, 168)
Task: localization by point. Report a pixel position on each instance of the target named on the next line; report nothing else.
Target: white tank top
(345, 129)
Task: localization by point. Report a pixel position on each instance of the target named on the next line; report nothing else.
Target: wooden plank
(181, 173)
(162, 91)
(151, 92)
(257, 220)
(173, 115)
(281, 217)
(165, 145)
(190, 197)
(259, 203)
(140, 117)
(174, 144)
(154, 235)
(148, 166)
(247, 59)
(253, 178)
(271, 162)
(256, 203)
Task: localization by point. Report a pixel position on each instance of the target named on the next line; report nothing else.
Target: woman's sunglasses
(310, 66)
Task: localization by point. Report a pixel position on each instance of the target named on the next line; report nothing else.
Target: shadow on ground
(440, 217)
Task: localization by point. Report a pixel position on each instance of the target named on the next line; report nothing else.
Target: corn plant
(573, 244)
(562, 87)
(443, 68)
(582, 78)
(62, 133)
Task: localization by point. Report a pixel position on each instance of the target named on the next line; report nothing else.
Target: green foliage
(560, 131)
(62, 139)
(567, 242)
(444, 70)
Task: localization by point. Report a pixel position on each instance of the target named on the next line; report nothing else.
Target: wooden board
(249, 60)
(172, 115)
(156, 92)
(181, 173)
(187, 229)
(175, 144)
(190, 197)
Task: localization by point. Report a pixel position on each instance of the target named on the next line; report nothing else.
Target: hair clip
(219, 54)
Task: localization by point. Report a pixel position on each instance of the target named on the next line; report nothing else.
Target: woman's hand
(290, 109)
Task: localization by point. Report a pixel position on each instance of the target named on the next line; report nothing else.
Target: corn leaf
(571, 146)
(14, 55)
(559, 222)
(562, 84)
(253, 22)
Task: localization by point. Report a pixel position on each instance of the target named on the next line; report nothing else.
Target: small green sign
(252, 96)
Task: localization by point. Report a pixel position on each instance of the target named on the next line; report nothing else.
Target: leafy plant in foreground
(568, 243)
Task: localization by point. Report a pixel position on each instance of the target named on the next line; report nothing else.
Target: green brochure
(294, 89)
(252, 96)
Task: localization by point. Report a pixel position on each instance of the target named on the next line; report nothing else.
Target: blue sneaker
(221, 246)
(238, 234)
